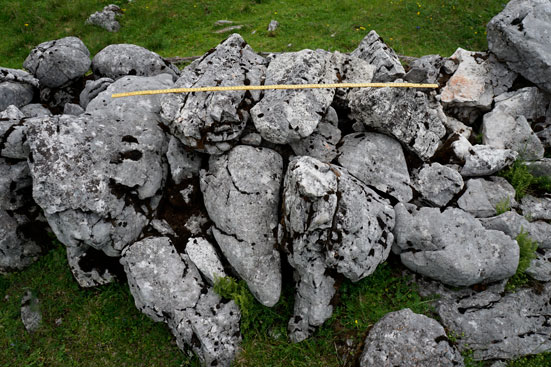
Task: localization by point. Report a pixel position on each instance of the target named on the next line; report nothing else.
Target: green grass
(539, 360)
(524, 182)
(185, 27)
(527, 247)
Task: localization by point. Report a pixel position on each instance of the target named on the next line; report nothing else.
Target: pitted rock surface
(184, 163)
(116, 61)
(151, 103)
(425, 69)
(481, 160)
(16, 88)
(92, 89)
(437, 184)
(98, 176)
(536, 208)
(166, 286)
(482, 197)
(404, 338)
(365, 156)
(452, 246)
(322, 144)
(512, 224)
(58, 63)
(350, 70)
(91, 267)
(107, 18)
(211, 122)
(519, 35)
(415, 119)
(374, 50)
(496, 326)
(286, 116)
(241, 192)
(333, 223)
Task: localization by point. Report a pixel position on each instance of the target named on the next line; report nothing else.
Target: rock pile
(177, 190)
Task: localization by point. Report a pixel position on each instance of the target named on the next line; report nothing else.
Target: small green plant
(519, 176)
(527, 247)
(503, 206)
(538, 360)
(468, 359)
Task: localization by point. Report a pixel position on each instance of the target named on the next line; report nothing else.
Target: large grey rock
(453, 246)
(213, 121)
(92, 89)
(35, 110)
(332, 223)
(437, 184)
(98, 176)
(477, 80)
(322, 143)
(351, 70)
(404, 338)
(107, 18)
(18, 248)
(241, 192)
(184, 163)
(519, 35)
(16, 88)
(167, 287)
(365, 155)
(481, 160)
(540, 267)
(512, 224)
(539, 168)
(58, 63)
(31, 314)
(536, 208)
(119, 60)
(374, 50)
(91, 267)
(529, 102)
(150, 103)
(425, 69)
(494, 325)
(414, 118)
(203, 255)
(482, 197)
(284, 116)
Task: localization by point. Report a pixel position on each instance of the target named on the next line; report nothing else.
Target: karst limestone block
(16, 88)
(512, 224)
(483, 197)
(437, 184)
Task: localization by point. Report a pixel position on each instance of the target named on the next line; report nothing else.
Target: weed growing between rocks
(524, 182)
(528, 249)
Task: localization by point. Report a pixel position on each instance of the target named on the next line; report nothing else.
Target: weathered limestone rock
(12, 134)
(116, 61)
(536, 208)
(16, 88)
(407, 339)
(58, 63)
(151, 103)
(437, 184)
(511, 223)
(351, 70)
(30, 312)
(241, 194)
(184, 163)
(481, 160)
(425, 69)
(482, 197)
(541, 167)
(203, 255)
(212, 122)
(98, 176)
(452, 246)
(92, 89)
(107, 18)
(91, 267)
(15, 185)
(365, 156)
(415, 119)
(387, 64)
(72, 109)
(322, 143)
(35, 110)
(333, 223)
(285, 116)
(519, 35)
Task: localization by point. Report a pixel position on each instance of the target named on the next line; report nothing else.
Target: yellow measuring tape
(276, 86)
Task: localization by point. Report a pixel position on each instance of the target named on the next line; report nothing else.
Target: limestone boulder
(17, 87)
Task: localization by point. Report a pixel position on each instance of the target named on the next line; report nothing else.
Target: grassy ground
(185, 27)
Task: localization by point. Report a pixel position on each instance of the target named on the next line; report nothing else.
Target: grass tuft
(527, 247)
(519, 176)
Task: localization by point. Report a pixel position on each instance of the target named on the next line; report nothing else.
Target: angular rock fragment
(539, 168)
(540, 267)
(150, 103)
(167, 287)
(92, 89)
(512, 224)
(285, 116)
(437, 184)
(72, 109)
(241, 192)
(35, 110)
(212, 122)
(98, 176)
(119, 60)
(107, 18)
(481, 160)
(184, 164)
(333, 224)
(387, 64)
(30, 312)
(16, 88)
(365, 156)
(519, 35)
(536, 208)
(203, 255)
(482, 197)
(350, 70)
(425, 69)
(58, 63)
(18, 248)
(414, 118)
(12, 134)
(452, 246)
(15, 185)
(407, 339)
(321, 144)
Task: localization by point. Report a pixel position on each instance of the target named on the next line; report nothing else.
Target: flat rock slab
(404, 338)
(241, 192)
(452, 246)
(333, 223)
(519, 35)
(284, 116)
(59, 62)
(212, 122)
(365, 156)
(414, 118)
(119, 60)
(98, 176)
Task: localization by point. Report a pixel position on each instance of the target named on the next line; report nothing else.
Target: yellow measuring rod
(276, 86)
